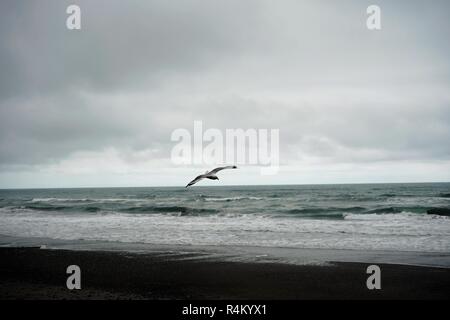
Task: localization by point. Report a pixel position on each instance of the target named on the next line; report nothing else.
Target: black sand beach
(32, 273)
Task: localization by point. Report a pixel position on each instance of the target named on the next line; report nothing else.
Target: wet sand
(32, 273)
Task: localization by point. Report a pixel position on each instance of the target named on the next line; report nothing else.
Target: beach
(33, 273)
(242, 242)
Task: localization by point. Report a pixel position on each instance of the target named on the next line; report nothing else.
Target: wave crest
(169, 209)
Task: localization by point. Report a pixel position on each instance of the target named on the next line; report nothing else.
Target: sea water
(390, 217)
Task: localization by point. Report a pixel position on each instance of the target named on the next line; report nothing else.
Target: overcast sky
(97, 106)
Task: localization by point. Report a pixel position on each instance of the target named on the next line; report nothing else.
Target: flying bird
(209, 175)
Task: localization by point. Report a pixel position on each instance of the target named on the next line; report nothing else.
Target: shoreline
(241, 253)
(33, 273)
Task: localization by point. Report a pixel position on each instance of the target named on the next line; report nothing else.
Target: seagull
(209, 175)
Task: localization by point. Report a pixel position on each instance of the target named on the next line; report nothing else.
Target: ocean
(388, 217)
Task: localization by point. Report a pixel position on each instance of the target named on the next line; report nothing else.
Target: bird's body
(209, 175)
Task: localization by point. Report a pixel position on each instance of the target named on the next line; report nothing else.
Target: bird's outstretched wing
(214, 171)
(197, 179)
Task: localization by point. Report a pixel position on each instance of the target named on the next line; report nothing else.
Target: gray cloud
(136, 71)
(120, 45)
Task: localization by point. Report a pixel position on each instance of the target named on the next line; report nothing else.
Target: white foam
(400, 232)
(232, 199)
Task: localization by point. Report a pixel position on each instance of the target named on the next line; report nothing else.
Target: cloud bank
(96, 106)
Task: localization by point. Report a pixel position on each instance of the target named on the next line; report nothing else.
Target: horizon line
(237, 185)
